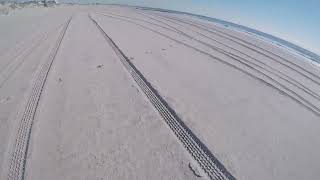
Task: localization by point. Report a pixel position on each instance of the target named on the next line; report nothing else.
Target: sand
(254, 105)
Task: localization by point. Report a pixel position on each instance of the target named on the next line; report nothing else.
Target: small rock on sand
(195, 170)
(100, 66)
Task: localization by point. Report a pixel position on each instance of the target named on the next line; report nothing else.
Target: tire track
(137, 19)
(21, 43)
(10, 68)
(20, 149)
(211, 166)
(19, 50)
(273, 71)
(19, 46)
(278, 86)
(252, 47)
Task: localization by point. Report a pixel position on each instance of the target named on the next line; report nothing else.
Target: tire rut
(210, 165)
(20, 149)
(277, 85)
(13, 64)
(272, 70)
(252, 47)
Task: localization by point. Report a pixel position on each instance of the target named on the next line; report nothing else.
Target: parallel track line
(20, 149)
(272, 70)
(210, 165)
(282, 89)
(252, 47)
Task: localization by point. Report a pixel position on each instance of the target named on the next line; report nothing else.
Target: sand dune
(115, 92)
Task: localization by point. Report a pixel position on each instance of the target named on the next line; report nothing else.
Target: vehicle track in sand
(20, 45)
(210, 165)
(20, 50)
(14, 63)
(20, 149)
(273, 83)
(260, 64)
(268, 54)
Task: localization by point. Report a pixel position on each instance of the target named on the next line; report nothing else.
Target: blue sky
(297, 21)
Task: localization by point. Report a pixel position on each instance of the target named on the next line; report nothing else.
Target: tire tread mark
(211, 166)
(272, 70)
(13, 65)
(20, 149)
(252, 47)
(282, 89)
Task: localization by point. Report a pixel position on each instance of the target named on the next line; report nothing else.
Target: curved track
(270, 80)
(293, 66)
(255, 62)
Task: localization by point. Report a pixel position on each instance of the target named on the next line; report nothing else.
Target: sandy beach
(119, 92)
